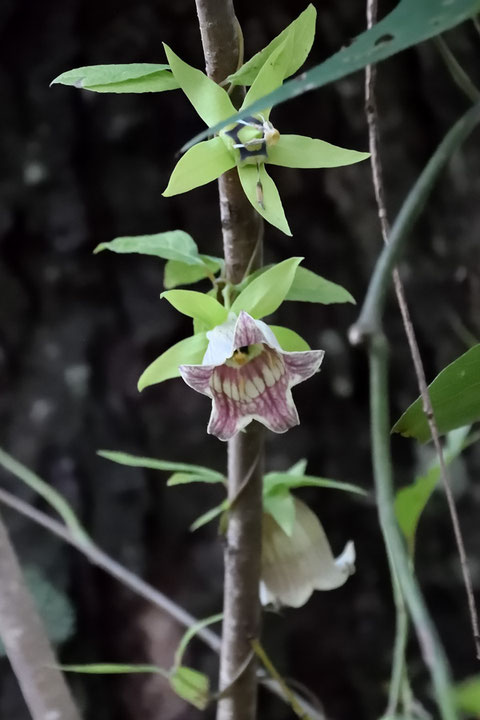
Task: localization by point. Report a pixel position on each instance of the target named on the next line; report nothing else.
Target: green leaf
(184, 478)
(455, 395)
(271, 207)
(303, 31)
(191, 685)
(209, 515)
(289, 340)
(114, 669)
(131, 78)
(299, 151)
(271, 74)
(273, 480)
(200, 165)
(267, 292)
(154, 464)
(186, 352)
(467, 695)
(179, 273)
(190, 634)
(171, 245)
(54, 607)
(307, 286)
(410, 22)
(210, 101)
(299, 468)
(48, 493)
(197, 305)
(280, 505)
(411, 501)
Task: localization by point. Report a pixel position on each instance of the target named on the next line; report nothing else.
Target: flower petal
(247, 331)
(292, 567)
(272, 209)
(302, 365)
(298, 151)
(258, 391)
(197, 377)
(220, 342)
(210, 101)
(203, 163)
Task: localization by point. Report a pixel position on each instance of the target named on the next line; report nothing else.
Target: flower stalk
(242, 241)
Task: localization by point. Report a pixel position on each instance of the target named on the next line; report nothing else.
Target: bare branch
(26, 643)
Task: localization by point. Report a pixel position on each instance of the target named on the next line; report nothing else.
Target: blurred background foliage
(76, 330)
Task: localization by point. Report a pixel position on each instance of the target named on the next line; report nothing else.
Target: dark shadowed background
(76, 330)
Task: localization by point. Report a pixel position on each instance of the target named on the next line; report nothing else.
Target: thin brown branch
(241, 231)
(377, 175)
(99, 558)
(26, 643)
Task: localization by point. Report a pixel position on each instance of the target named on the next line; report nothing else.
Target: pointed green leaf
(210, 101)
(299, 151)
(48, 493)
(200, 165)
(299, 468)
(197, 305)
(186, 352)
(184, 478)
(307, 286)
(209, 515)
(191, 685)
(289, 340)
(131, 78)
(271, 73)
(280, 505)
(455, 395)
(410, 22)
(411, 501)
(271, 207)
(179, 273)
(303, 31)
(114, 669)
(155, 464)
(273, 480)
(267, 292)
(171, 245)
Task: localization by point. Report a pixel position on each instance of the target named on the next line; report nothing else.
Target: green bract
(254, 141)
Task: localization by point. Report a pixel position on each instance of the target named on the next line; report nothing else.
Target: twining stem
(241, 231)
(26, 643)
(432, 650)
(163, 603)
(369, 320)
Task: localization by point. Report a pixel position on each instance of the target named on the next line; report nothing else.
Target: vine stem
(372, 120)
(241, 231)
(26, 643)
(143, 589)
(368, 329)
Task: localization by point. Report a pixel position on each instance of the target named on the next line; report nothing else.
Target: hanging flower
(249, 377)
(254, 141)
(295, 565)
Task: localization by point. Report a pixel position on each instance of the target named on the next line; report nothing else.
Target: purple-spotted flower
(249, 377)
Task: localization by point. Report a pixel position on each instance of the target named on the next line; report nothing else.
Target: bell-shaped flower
(249, 377)
(295, 565)
(253, 142)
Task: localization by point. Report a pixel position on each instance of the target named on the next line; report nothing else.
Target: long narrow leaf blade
(411, 22)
